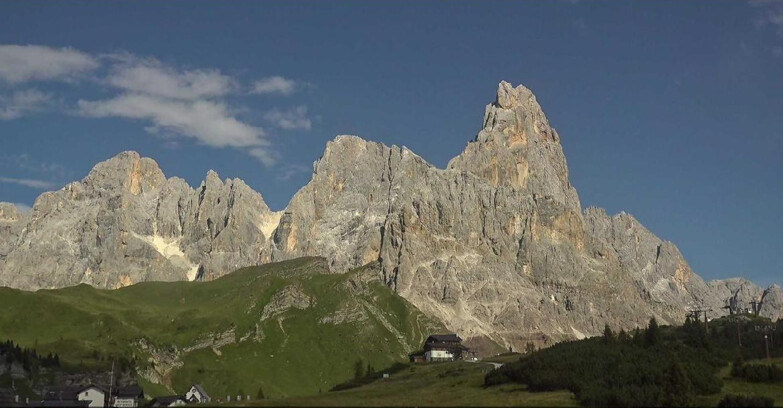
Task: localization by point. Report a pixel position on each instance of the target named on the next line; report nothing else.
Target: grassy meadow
(216, 334)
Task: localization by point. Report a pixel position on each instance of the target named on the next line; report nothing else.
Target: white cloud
(274, 84)
(21, 103)
(209, 122)
(175, 103)
(27, 163)
(265, 156)
(292, 119)
(291, 170)
(149, 76)
(21, 63)
(38, 184)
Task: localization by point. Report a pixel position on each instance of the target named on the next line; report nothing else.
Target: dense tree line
(27, 357)
(768, 373)
(655, 366)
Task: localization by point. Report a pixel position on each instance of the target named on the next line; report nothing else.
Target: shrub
(757, 372)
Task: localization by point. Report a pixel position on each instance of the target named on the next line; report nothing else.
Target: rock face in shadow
(496, 245)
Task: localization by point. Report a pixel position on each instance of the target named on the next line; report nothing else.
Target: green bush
(757, 373)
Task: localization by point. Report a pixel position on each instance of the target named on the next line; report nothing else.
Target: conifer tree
(608, 334)
(653, 334)
(623, 336)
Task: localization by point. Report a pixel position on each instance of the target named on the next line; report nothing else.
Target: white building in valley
(96, 395)
(197, 394)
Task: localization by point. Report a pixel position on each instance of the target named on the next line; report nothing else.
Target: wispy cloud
(174, 103)
(209, 122)
(22, 63)
(772, 14)
(151, 77)
(295, 118)
(266, 156)
(291, 170)
(26, 163)
(32, 173)
(274, 84)
(177, 102)
(21, 103)
(32, 183)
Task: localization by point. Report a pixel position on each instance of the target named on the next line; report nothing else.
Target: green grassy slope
(434, 384)
(215, 333)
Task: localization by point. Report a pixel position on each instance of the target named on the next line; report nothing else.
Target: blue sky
(671, 111)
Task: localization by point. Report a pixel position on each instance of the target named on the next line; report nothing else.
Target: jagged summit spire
(509, 97)
(518, 109)
(518, 148)
(129, 170)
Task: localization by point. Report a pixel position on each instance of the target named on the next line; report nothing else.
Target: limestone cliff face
(127, 223)
(11, 221)
(741, 294)
(496, 245)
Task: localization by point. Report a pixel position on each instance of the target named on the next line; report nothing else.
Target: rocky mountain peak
(516, 114)
(135, 174)
(212, 176)
(518, 149)
(337, 148)
(126, 223)
(509, 97)
(496, 246)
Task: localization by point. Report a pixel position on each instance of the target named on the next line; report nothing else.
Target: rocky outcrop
(496, 245)
(742, 295)
(11, 222)
(126, 223)
(290, 297)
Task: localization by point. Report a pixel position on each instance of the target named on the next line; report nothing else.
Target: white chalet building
(197, 394)
(94, 394)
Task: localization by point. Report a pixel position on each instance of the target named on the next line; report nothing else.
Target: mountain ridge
(496, 245)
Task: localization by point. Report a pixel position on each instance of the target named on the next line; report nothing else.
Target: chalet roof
(444, 338)
(61, 393)
(201, 391)
(87, 387)
(129, 392)
(68, 393)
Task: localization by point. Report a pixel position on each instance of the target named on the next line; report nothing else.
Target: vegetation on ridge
(287, 328)
(658, 366)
